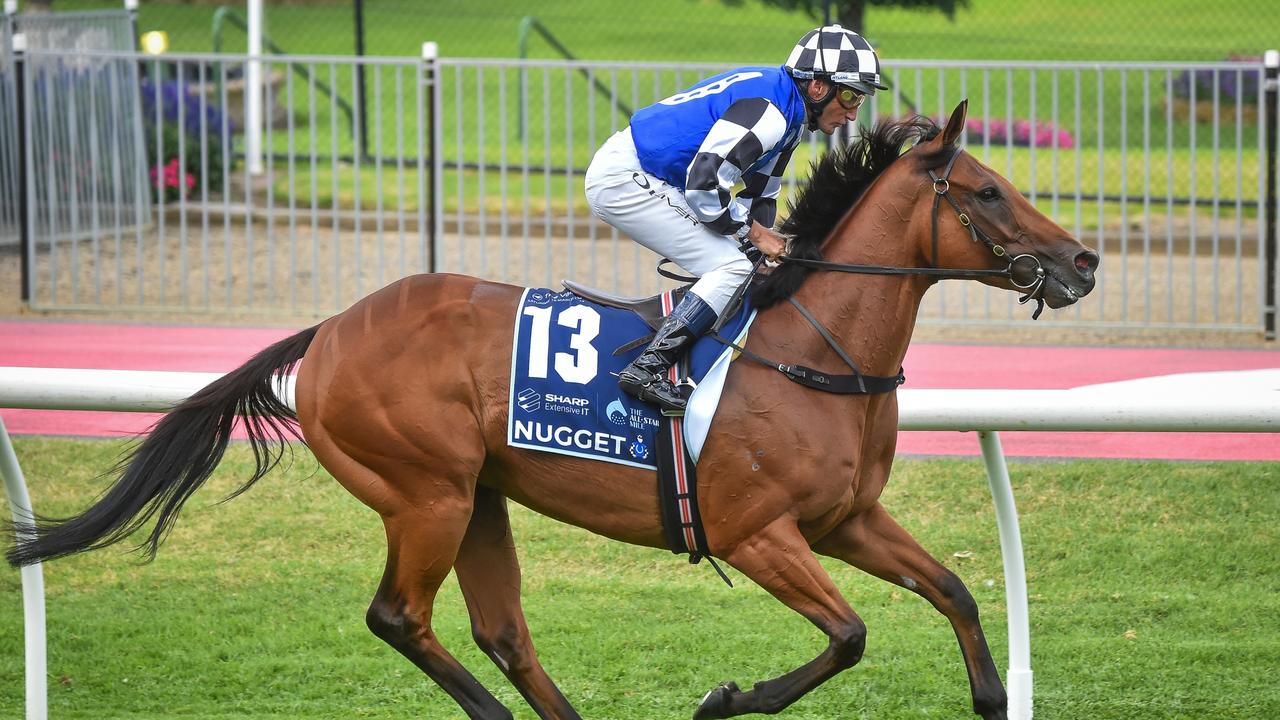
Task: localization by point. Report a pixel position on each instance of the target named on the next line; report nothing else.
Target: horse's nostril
(1086, 263)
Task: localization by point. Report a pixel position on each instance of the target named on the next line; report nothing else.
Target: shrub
(1232, 85)
(1024, 134)
(183, 114)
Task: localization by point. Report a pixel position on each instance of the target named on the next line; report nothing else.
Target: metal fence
(82, 143)
(97, 30)
(1160, 167)
(337, 212)
(9, 163)
(376, 168)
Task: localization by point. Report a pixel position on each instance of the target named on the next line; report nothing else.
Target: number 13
(579, 368)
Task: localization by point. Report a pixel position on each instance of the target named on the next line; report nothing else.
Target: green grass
(708, 30)
(1154, 594)
(604, 30)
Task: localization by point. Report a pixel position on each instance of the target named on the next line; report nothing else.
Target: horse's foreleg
(874, 542)
(489, 575)
(779, 560)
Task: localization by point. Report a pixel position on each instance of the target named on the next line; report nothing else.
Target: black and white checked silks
(742, 136)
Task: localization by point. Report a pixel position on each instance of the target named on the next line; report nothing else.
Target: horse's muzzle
(1069, 280)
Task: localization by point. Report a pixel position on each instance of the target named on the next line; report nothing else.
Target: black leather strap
(854, 384)
(826, 335)
(671, 274)
(884, 270)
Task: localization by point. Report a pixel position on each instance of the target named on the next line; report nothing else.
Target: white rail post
(1018, 680)
(253, 91)
(434, 141)
(32, 586)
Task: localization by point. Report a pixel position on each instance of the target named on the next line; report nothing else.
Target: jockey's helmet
(839, 56)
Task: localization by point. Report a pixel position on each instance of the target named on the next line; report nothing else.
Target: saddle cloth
(564, 395)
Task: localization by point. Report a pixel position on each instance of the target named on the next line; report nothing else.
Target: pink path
(211, 349)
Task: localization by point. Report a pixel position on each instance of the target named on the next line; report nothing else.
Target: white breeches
(655, 214)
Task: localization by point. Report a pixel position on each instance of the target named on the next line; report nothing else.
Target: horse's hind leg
(420, 552)
(489, 575)
(874, 542)
(425, 509)
(779, 560)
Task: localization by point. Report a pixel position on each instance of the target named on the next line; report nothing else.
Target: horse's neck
(872, 316)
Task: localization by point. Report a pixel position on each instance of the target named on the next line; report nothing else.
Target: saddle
(649, 309)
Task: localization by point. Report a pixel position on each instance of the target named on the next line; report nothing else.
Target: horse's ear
(956, 124)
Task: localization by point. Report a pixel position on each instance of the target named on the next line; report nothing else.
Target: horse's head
(978, 219)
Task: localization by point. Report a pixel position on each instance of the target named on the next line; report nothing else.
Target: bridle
(858, 383)
(1031, 283)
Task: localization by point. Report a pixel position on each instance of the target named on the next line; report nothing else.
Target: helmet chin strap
(813, 108)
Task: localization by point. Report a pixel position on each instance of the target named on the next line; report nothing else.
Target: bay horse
(403, 398)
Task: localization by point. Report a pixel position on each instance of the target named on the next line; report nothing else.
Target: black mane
(836, 181)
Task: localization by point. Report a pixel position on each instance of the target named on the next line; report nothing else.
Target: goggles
(849, 98)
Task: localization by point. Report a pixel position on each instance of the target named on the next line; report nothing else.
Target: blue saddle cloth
(564, 394)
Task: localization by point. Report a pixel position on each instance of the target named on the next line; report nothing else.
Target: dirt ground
(233, 272)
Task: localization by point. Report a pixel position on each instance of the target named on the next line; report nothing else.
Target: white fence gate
(71, 148)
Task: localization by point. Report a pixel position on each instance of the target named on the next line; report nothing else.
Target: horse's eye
(988, 194)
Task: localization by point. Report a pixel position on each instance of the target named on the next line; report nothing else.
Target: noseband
(1033, 288)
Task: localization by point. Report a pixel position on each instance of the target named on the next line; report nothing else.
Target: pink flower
(997, 131)
(177, 183)
(171, 173)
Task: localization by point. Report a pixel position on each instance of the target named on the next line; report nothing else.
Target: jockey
(667, 180)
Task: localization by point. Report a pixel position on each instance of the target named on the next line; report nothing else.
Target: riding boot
(646, 377)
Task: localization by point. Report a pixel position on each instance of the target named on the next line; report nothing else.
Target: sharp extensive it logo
(529, 400)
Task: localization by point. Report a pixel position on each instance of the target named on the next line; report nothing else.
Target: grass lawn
(1154, 594)
(706, 30)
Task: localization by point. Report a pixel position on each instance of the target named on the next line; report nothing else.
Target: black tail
(176, 458)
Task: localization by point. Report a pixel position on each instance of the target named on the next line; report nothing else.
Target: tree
(851, 13)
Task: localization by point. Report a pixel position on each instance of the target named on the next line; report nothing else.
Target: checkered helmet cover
(839, 55)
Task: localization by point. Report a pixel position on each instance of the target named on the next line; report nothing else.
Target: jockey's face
(838, 111)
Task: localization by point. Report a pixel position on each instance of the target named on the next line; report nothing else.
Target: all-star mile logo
(617, 412)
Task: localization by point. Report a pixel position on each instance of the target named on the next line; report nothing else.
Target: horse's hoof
(715, 704)
(991, 708)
